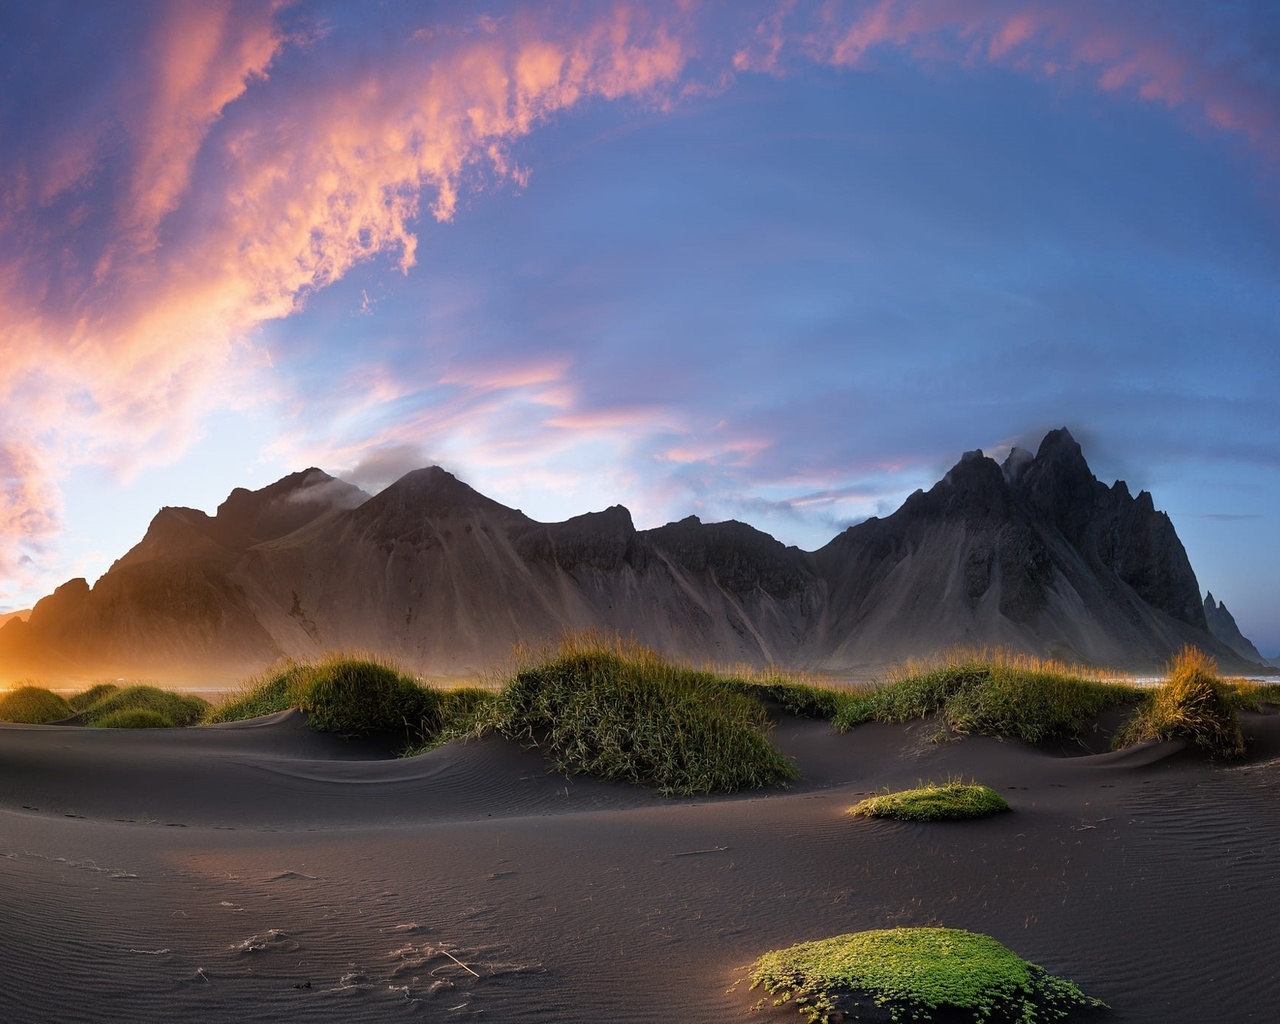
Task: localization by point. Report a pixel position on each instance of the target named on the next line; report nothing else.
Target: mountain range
(1033, 554)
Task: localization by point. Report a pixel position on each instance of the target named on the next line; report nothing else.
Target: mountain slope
(1222, 624)
(1035, 554)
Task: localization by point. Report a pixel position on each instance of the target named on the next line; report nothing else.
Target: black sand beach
(261, 872)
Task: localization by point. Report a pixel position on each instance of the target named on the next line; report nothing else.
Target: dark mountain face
(1035, 554)
(1222, 624)
(174, 604)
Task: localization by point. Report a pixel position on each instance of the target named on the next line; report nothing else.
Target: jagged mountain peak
(243, 519)
(430, 491)
(250, 517)
(1060, 445)
(1034, 553)
(973, 489)
(614, 519)
(1222, 625)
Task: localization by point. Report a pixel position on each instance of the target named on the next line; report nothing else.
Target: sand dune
(261, 872)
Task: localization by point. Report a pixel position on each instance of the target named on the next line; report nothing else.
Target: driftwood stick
(696, 853)
(459, 963)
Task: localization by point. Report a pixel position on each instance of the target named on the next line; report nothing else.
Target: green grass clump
(354, 697)
(177, 709)
(134, 718)
(87, 698)
(33, 705)
(348, 695)
(992, 695)
(954, 801)
(620, 712)
(912, 972)
(1194, 703)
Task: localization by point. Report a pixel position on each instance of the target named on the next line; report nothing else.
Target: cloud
(140, 258)
(1213, 64)
(29, 513)
(384, 464)
(195, 170)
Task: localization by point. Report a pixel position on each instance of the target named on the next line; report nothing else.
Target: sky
(768, 260)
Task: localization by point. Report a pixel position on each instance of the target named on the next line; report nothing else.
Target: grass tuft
(618, 711)
(344, 694)
(911, 973)
(990, 694)
(33, 705)
(354, 697)
(1194, 703)
(953, 801)
(177, 709)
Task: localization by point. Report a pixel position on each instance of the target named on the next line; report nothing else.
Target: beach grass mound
(1193, 703)
(352, 696)
(990, 694)
(620, 712)
(33, 705)
(355, 697)
(952, 801)
(177, 709)
(915, 974)
(134, 718)
(85, 699)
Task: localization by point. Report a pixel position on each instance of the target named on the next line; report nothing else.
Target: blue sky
(778, 262)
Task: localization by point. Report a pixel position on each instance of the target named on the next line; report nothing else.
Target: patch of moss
(33, 705)
(953, 801)
(908, 973)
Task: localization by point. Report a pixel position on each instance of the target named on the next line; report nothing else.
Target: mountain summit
(1034, 554)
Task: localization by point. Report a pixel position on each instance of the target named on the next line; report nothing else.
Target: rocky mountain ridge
(1034, 554)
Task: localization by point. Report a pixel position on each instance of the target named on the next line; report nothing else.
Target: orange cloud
(29, 514)
(205, 55)
(112, 359)
(1117, 48)
(161, 329)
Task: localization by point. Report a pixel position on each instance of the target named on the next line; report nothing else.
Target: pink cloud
(30, 506)
(1133, 49)
(113, 360)
(205, 55)
(312, 182)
